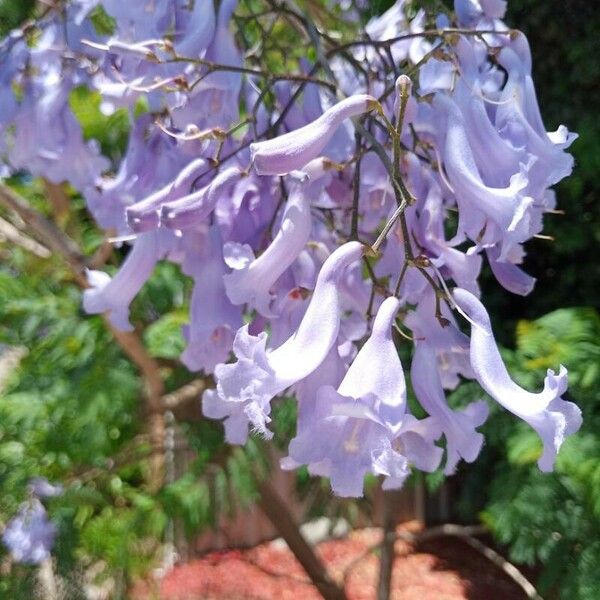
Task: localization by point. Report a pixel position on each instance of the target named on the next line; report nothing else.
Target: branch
(9, 233)
(46, 232)
(270, 77)
(386, 560)
(59, 200)
(466, 534)
(184, 394)
(408, 36)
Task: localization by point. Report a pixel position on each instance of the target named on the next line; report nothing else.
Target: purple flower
(48, 140)
(214, 101)
(195, 27)
(30, 535)
(363, 426)
(462, 267)
(509, 275)
(137, 21)
(190, 210)
(145, 214)
(553, 418)
(252, 278)
(151, 162)
(293, 150)
(469, 12)
(450, 344)
(482, 205)
(213, 319)
(246, 387)
(462, 441)
(519, 121)
(42, 488)
(114, 295)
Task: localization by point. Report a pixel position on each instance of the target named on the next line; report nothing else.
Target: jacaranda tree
(332, 185)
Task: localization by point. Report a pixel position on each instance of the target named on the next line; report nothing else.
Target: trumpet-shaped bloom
(194, 28)
(463, 267)
(214, 100)
(246, 387)
(145, 214)
(552, 417)
(291, 151)
(506, 207)
(151, 161)
(252, 278)
(363, 426)
(42, 488)
(519, 121)
(48, 140)
(450, 344)
(114, 294)
(462, 441)
(509, 275)
(213, 319)
(191, 210)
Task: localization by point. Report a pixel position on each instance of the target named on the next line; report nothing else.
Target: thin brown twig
(187, 392)
(9, 233)
(408, 36)
(466, 533)
(213, 67)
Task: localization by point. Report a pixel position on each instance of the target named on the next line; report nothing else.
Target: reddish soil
(442, 569)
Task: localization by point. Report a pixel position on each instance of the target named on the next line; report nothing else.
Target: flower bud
(403, 85)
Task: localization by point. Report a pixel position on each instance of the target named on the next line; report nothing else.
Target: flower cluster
(341, 209)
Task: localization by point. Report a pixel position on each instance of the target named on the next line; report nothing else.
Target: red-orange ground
(443, 569)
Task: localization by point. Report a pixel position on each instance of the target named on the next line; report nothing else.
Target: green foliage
(111, 131)
(163, 338)
(103, 23)
(548, 519)
(13, 13)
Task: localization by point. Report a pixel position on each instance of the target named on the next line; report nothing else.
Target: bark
(386, 559)
(278, 513)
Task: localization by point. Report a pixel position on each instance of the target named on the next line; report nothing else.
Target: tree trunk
(278, 513)
(386, 559)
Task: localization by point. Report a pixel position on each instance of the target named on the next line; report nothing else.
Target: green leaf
(524, 447)
(164, 338)
(103, 23)
(110, 130)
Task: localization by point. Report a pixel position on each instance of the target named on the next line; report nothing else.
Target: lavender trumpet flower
(364, 426)
(462, 441)
(291, 151)
(213, 319)
(145, 214)
(245, 388)
(114, 295)
(553, 418)
(189, 211)
(252, 278)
